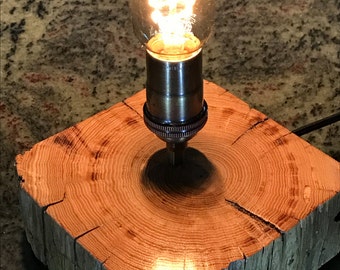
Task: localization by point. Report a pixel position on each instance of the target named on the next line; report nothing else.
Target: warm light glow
(174, 18)
(174, 39)
(163, 264)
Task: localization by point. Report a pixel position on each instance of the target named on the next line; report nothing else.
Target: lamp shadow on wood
(192, 177)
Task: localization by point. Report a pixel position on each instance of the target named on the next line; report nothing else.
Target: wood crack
(141, 116)
(75, 243)
(86, 232)
(249, 129)
(43, 213)
(44, 208)
(226, 91)
(254, 216)
(106, 260)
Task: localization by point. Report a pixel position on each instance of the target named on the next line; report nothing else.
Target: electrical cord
(317, 124)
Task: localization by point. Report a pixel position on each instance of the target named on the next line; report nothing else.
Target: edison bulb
(172, 30)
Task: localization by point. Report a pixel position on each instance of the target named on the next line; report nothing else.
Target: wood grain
(250, 194)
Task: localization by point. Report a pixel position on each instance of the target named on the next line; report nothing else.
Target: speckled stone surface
(62, 61)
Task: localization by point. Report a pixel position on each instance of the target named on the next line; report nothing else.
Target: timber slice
(250, 194)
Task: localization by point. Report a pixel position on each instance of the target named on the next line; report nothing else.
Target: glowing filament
(174, 36)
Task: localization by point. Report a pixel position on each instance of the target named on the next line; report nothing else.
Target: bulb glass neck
(173, 48)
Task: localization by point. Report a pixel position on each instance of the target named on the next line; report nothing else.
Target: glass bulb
(172, 30)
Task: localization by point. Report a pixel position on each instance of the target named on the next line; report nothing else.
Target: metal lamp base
(175, 109)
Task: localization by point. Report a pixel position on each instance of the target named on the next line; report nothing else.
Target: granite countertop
(63, 60)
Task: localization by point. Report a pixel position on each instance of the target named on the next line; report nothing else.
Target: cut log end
(248, 195)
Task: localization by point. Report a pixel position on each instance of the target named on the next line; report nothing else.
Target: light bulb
(173, 33)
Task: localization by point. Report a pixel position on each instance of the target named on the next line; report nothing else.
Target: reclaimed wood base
(250, 195)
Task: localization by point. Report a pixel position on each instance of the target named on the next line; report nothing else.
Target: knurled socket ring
(176, 132)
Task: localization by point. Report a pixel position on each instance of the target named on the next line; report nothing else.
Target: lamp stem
(176, 152)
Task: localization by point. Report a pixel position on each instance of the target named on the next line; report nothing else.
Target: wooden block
(250, 194)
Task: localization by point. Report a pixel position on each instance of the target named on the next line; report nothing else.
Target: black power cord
(317, 124)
